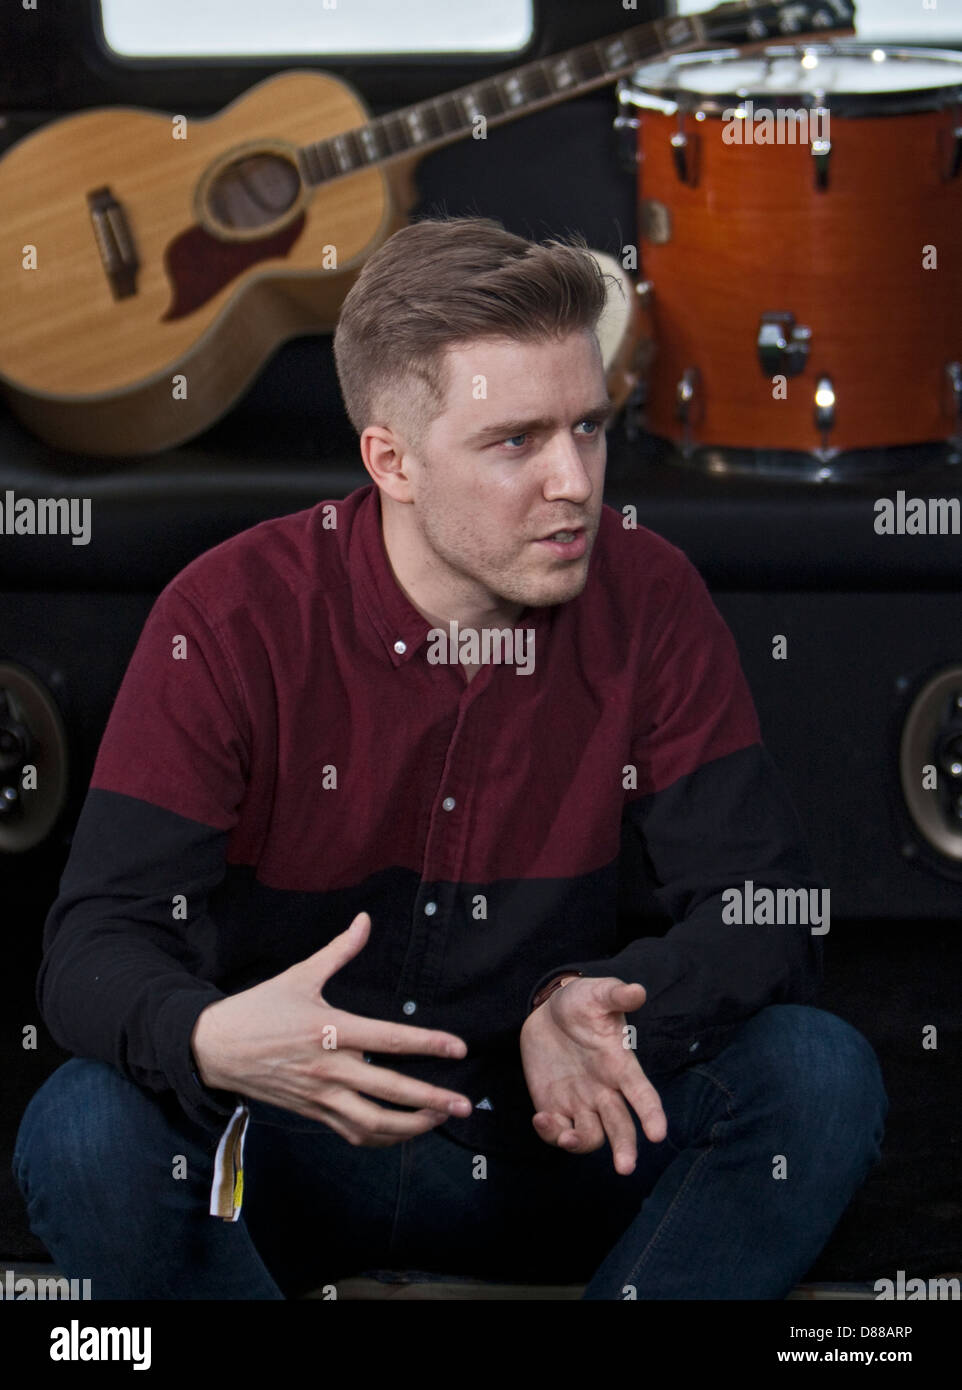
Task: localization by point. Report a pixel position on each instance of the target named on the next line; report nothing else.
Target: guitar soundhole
(254, 192)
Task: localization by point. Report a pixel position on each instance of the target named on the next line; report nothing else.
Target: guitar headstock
(755, 20)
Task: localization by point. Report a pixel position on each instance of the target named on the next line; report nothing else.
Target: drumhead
(616, 315)
(850, 78)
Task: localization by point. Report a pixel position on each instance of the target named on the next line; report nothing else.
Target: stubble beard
(506, 581)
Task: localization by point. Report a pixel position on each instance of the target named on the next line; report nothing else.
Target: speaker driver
(930, 763)
(33, 759)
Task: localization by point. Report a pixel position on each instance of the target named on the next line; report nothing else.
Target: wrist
(553, 985)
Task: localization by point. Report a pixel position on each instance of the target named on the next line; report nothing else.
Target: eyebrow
(505, 429)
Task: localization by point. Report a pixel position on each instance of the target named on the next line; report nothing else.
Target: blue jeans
(766, 1145)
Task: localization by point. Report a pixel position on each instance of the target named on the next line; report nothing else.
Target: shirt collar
(399, 625)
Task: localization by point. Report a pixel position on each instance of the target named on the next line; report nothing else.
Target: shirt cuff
(204, 1105)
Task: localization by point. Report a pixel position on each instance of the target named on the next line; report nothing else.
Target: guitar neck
(438, 121)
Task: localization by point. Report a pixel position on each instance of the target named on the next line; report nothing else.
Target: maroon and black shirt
(282, 755)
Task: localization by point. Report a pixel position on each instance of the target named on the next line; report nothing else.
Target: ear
(385, 455)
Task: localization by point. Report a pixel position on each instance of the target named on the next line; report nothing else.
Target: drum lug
(824, 402)
(821, 151)
(688, 405)
(679, 151)
(782, 344)
(684, 151)
(654, 219)
(626, 134)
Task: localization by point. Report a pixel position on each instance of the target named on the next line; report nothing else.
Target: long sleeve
(122, 978)
(714, 815)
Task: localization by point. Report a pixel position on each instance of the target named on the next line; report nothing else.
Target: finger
(342, 948)
(354, 1135)
(620, 1130)
(371, 1080)
(551, 1124)
(588, 1132)
(379, 1035)
(647, 1106)
(625, 998)
(373, 1120)
(582, 1135)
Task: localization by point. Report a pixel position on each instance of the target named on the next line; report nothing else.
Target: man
(348, 870)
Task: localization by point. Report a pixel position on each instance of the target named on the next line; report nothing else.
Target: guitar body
(90, 371)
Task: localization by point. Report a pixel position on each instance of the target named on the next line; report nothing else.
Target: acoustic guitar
(149, 265)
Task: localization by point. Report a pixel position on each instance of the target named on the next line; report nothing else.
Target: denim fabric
(766, 1145)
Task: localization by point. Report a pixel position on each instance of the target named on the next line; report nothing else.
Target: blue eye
(595, 427)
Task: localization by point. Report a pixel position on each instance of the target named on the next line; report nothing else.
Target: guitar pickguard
(199, 265)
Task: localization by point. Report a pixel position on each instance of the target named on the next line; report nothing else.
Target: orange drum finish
(867, 336)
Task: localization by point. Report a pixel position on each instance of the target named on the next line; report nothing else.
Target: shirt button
(400, 647)
(448, 803)
(430, 909)
(695, 1045)
(409, 1006)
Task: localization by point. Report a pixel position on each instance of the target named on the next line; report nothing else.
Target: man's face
(517, 454)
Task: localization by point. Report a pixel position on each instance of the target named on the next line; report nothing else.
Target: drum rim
(904, 99)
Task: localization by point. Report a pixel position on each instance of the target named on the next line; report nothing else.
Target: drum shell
(753, 234)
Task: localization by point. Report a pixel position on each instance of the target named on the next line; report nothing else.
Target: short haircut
(444, 282)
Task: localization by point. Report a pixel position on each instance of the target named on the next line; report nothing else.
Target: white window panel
(247, 28)
(889, 21)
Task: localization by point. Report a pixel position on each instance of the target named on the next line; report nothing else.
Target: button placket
(443, 858)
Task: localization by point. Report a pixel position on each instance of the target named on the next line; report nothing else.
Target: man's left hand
(579, 1073)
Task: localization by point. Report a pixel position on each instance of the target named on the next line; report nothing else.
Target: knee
(72, 1124)
(829, 1073)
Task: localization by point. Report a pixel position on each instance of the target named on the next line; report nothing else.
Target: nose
(568, 474)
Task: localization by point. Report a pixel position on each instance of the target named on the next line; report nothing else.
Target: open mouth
(569, 544)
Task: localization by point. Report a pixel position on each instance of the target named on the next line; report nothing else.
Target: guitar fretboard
(455, 115)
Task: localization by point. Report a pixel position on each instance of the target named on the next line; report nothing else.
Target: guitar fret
(449, 116)
(368, 136)
(536, 82)
(310, 164)
(588, 62)
(561, 73)
(493, 99)
(615, 53)
(414, 125)
(325, 159)
(395, 132)
(468, 103)
(432, 119)
(340, 148)
(513, 88)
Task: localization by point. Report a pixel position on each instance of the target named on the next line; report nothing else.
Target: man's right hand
(267, 1043)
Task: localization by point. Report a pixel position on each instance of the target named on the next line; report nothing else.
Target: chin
(562, 590)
